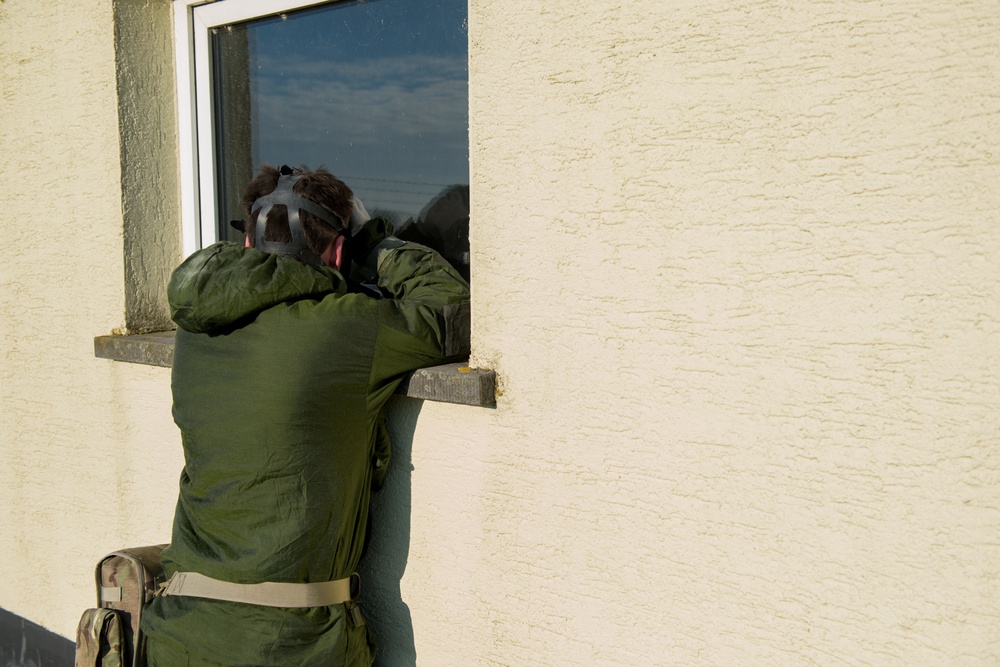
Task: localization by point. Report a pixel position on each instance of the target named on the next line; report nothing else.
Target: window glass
(374, 90)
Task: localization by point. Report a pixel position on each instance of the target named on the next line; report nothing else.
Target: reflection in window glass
(374, 90)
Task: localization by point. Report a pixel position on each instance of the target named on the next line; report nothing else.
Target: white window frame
(193, 23)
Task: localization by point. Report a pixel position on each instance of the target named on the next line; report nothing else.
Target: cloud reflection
(394, 119)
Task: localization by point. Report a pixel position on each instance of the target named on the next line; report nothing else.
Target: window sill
(449, 383)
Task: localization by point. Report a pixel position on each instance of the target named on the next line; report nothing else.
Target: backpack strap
(369, 270)
(266, 594)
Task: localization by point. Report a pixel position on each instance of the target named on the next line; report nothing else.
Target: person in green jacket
(282, 367)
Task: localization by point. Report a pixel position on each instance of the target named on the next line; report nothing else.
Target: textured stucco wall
(737, 268)
(88, 452)
(147, 113)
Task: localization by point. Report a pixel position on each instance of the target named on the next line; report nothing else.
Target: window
(375, 90)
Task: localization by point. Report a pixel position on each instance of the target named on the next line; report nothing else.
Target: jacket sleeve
(426, 319)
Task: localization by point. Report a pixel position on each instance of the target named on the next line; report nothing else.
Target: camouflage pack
(109, 635)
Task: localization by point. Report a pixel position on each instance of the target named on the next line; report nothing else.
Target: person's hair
(320, 187)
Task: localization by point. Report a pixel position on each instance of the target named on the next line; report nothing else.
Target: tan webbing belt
(268, 594)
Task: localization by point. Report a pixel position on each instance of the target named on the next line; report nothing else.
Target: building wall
(736, 267)
(89, 453)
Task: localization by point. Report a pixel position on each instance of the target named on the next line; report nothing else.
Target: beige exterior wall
(737, 268)
(89, 454)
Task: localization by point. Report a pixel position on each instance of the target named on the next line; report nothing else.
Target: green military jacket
(279, 379)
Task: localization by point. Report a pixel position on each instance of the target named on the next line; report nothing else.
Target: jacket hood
(225, 283)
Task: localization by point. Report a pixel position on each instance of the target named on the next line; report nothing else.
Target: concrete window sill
(450, 383)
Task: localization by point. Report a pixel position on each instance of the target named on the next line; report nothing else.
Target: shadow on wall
(384, 563)
(25, 644)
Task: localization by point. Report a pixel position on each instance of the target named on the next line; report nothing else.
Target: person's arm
(425, 321)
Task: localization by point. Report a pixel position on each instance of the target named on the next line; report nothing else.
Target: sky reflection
(377, 91)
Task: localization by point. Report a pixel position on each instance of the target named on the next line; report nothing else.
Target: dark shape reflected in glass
(443, 224)
(374, 90)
